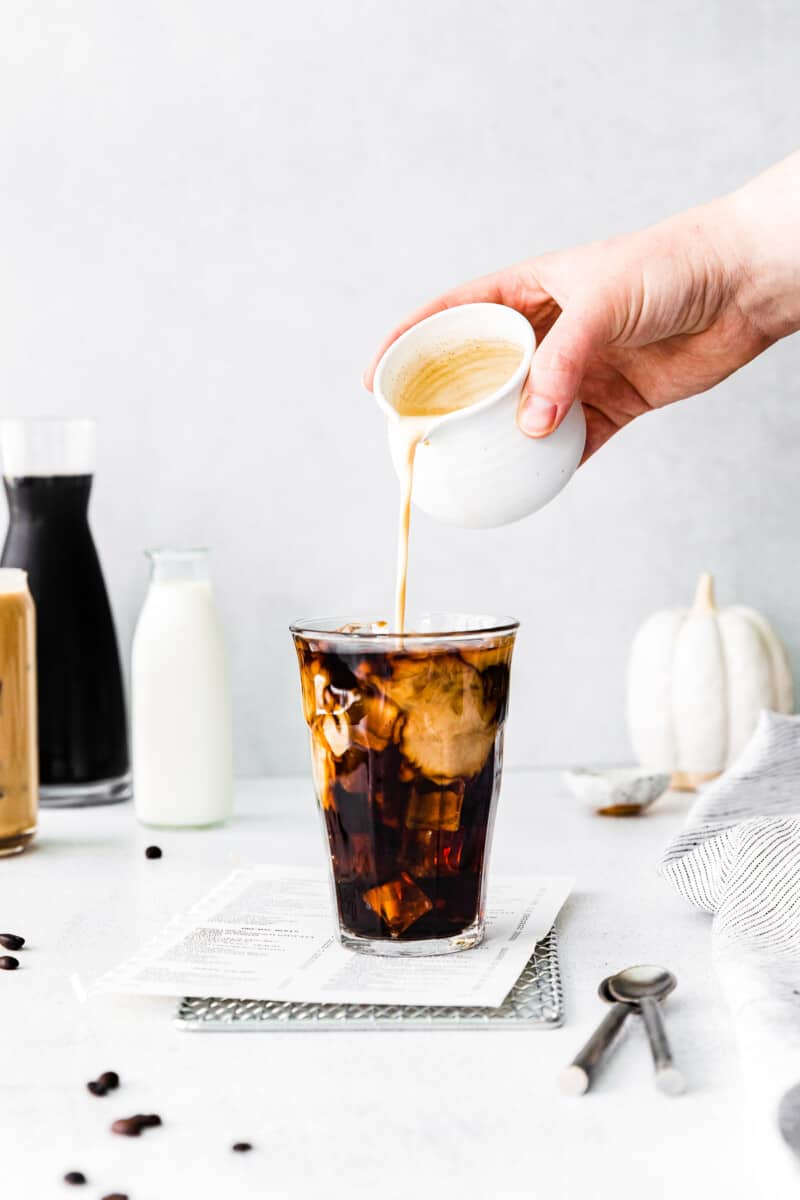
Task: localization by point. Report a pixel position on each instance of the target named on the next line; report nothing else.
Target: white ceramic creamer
(180, 698)
(474, 467)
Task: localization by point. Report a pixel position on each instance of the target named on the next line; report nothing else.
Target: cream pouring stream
(443, 383)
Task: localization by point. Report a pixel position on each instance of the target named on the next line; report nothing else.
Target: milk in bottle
(181, 704)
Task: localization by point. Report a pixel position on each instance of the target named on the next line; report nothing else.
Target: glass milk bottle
(180, 698)
(19, 763)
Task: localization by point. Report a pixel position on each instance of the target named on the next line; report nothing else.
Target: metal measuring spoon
(643, 987)
(577, 1077)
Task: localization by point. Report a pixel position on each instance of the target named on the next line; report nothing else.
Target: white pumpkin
(697, 680)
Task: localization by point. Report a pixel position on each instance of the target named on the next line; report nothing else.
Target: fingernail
(537, 416)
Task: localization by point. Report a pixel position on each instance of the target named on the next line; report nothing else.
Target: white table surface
(467, 1114)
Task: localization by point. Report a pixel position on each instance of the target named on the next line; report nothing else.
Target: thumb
(558, 367)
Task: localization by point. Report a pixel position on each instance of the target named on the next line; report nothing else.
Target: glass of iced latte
(407, 747)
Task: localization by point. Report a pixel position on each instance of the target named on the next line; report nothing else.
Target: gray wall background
(211, 212)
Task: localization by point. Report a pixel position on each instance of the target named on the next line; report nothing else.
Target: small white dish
(617, 791)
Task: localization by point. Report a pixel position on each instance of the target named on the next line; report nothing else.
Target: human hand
(636, 322)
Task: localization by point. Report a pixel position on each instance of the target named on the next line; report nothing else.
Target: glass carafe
(48, 467)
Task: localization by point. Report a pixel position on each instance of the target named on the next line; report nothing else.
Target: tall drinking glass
(19, 763)
(407, 749)
(48, 467)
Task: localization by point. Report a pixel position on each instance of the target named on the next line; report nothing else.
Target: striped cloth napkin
(738, 857)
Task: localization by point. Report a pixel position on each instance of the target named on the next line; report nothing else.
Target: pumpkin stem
(704, 596)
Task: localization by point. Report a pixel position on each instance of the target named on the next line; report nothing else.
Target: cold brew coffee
(406, 742)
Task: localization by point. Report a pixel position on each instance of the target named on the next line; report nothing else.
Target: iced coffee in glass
(19, 762)
(407, 747)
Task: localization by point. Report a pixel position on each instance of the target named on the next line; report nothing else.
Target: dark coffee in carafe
(83, 746)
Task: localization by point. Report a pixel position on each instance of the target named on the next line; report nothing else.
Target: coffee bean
(241, 1147)
(8, 963)
(75, 1177)
(127, 1127)
(104, 1083)
(153, 852)
(12, 941)
(133, 1126)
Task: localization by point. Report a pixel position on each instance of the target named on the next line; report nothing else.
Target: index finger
(489, 289)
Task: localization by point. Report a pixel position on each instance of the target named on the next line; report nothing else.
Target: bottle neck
(179, 566)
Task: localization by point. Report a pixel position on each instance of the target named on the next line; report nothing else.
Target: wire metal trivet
(535, 1002)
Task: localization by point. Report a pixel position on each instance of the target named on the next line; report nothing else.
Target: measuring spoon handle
(668, 1078)
(577, 1077)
